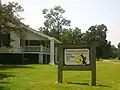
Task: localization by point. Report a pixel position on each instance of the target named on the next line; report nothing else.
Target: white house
(39, 48)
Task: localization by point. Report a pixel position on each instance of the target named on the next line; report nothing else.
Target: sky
(82, 13)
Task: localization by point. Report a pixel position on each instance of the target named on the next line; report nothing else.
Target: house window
(43, 43)
(21, 42)
(26, 43)
(4, 40)
(34, 43)
(30, 42)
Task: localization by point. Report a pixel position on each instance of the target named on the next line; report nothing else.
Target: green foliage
(71, 35)
(114, 51)
(66, 36)
(10, 19)
(53, 26)
(97, 33)
(76, 35)
(118, 51)
(54, 21)
(107, 51)
(119, 45)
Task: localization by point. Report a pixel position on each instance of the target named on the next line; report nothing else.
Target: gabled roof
(43, 35)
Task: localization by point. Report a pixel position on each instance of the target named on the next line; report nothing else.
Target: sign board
(77, 56)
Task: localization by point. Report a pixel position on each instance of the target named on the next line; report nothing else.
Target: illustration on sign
(77, 56)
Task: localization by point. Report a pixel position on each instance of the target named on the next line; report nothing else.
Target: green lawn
(44, 77)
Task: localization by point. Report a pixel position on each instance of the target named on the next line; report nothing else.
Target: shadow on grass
(5, 75)
(4, 88)
(87, 84)
(6, 66)
(3, 84)
(77, 83)
(101, 85)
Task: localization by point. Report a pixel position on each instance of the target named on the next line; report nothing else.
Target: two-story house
(38, 48)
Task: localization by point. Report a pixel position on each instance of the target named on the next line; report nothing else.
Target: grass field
(44, 77)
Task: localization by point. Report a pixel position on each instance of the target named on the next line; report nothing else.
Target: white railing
(36, 49)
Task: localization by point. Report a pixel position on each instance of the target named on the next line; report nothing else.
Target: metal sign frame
(92, 56)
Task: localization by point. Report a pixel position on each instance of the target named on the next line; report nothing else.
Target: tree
(10, 19)
(114, 51)
(107, 51)
(71, 35)
(66, 36)
(118, 52)
(97, 33)
(54, 21)
(76, 35)
(44, 30)
(119, 45)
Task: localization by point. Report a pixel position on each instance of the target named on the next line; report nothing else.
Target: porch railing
(36, 49)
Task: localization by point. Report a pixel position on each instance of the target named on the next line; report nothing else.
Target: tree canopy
(54, 21)
(10, 19)
(54, 26)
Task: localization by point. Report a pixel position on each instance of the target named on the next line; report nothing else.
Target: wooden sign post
(77, 57)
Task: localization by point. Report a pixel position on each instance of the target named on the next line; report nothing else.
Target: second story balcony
(36, 49)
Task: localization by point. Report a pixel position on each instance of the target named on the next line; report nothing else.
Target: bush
(118, 57)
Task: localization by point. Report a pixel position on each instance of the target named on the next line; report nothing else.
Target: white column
(41, 58)
(41, 49)
(56, 54)
(41, 54)
(52, 51)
